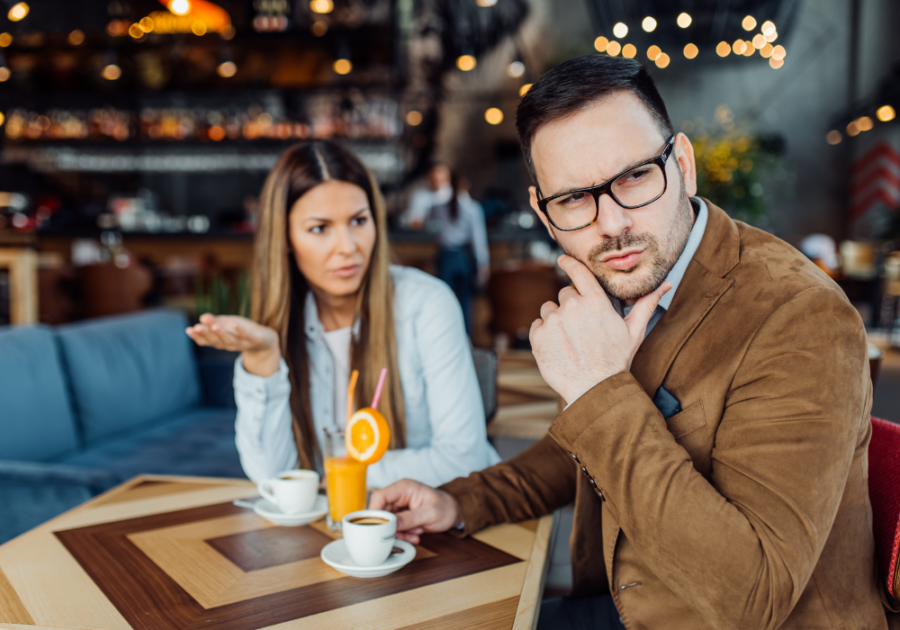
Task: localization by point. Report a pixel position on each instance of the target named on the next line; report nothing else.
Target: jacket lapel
(703, 284)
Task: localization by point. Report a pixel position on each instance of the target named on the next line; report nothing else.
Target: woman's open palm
(234, 333)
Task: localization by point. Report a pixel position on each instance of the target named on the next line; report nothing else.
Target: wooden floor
(170, 554)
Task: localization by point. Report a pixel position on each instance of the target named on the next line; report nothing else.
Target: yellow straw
(354, 375)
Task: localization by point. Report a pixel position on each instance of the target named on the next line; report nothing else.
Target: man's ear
(684, 153)
(533, 200)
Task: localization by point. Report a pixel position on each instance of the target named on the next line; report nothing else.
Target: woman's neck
(335, 311)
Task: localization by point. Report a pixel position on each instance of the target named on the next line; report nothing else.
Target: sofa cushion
(129, 369)
(199, 442)
(36, 420)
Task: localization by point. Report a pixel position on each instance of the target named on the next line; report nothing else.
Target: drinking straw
(378, 388)
(351, 389)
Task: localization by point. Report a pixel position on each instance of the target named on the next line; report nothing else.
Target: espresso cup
(369, 536)
(292, 491)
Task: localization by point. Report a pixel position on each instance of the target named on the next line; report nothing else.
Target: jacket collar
(314, 329)
(704, 282)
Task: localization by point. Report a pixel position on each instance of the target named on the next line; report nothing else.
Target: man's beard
(659, 255)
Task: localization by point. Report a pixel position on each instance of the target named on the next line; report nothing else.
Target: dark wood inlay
(493, 616)
(270, 547)
(12, 610)
(151, 600)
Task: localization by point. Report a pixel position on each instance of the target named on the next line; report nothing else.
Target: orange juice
(346, 486)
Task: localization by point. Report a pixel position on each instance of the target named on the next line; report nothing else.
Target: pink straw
(379, 387)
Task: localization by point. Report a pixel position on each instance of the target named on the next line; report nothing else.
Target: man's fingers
(547, 308)
(411, 519)
(567, 294)
(640, 315)
(389, 498)
(582, 278)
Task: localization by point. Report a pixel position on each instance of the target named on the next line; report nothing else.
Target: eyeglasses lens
(635, 188)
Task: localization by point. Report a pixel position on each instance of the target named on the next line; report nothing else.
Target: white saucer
(270, 512)
(335, 555)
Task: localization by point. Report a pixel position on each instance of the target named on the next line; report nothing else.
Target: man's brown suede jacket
(749, 509)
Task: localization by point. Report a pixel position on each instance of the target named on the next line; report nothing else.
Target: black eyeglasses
(638, 186)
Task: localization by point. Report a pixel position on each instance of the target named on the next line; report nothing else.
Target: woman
(325, 301)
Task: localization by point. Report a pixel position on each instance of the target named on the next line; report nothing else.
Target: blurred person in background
(325, 301)
(446, 208)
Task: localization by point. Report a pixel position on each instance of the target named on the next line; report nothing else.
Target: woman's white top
(445, 426)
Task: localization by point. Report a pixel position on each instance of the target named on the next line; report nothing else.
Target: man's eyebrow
(621, 172)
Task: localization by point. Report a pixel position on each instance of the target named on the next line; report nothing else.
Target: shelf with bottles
(358, 117)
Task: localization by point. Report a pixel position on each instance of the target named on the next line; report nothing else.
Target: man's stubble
(663, 255)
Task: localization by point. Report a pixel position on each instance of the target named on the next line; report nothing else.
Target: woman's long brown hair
(279, 289)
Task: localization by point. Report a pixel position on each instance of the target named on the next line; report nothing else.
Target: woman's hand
(259, 344)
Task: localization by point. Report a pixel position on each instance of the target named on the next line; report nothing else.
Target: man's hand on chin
(583, 340)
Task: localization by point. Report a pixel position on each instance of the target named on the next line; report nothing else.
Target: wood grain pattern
(53, 587)
(264, 548)
(148, 489)
(535, 575)
(493, 616)
(420, 604)
(12, 610)
(136, 585)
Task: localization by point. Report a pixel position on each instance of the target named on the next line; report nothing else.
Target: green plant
(735, 167)
(220, 296)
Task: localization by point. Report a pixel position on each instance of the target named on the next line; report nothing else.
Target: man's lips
(346, 272)
(623, 261)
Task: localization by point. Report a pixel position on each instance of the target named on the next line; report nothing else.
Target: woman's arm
(262, 391)
(459, 443)
(265, 440)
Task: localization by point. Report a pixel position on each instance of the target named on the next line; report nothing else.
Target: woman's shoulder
(414, 290)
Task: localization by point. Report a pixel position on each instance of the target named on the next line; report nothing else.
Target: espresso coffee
(368, 520)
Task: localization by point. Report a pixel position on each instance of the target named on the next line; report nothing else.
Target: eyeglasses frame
(606, 188)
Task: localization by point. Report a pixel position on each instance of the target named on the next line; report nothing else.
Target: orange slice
(367, 436)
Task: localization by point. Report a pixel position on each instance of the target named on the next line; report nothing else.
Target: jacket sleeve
(536, 482)
(455, 411)
(263, 434)
(740, 547)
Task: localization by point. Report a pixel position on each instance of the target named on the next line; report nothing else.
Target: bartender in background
(446, 208)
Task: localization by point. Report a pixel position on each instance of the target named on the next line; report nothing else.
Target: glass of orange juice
(345, 478)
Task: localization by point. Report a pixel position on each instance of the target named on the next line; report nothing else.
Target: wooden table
(166, 553)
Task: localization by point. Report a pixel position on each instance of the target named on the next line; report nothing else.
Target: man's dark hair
(574, 85)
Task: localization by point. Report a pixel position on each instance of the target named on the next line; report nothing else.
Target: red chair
(884, 494)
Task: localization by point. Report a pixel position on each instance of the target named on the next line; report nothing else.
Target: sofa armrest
(216, 369)
(31, 493)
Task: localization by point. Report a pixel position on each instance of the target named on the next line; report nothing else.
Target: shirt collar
(314, 328)
(687, 254)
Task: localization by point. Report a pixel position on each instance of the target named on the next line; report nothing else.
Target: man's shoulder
(773, 271)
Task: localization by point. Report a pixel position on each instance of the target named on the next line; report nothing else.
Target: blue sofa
(86, 406)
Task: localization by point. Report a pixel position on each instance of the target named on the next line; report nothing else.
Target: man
(724, 455)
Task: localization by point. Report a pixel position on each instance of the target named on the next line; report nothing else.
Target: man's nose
(612, 219)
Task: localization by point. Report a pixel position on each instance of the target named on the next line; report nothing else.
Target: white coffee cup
(369, 536)
(292, 491)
